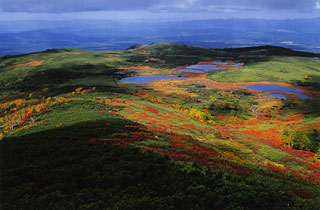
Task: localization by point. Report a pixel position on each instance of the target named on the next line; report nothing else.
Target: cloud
(60, 6)
(173, 4)
(185, 4)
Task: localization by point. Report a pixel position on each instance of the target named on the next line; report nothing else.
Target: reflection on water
(275, 95)
(201, 68)
(188, 70)
(142, 79)
(276, 89)
(220, 63)
(205, 67)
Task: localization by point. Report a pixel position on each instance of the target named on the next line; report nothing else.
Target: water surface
(275, 95)
(201, 68)
(205, 67)
(142, 79)
(188, 70)
(237, 64)
(220, 63)
(276, 89)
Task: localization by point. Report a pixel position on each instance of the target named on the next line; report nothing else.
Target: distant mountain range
(17, 37)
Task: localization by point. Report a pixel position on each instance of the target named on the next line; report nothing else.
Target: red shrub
(302, 194)
(92, 140)
(151, 110)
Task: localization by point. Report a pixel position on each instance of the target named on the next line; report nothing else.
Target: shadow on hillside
(102, 89)
(191, 57)
(59, 80)
(48, 51)
(83, 130)
(267, 50)
(52, 172)
(309, 107)
(314, 82)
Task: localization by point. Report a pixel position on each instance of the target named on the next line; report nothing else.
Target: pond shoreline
(200, 78)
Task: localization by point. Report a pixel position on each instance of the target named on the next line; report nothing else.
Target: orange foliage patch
(305, 155)
(30, 64)
(141, 53)
(155, 60)
(115, 102)
(271, 136)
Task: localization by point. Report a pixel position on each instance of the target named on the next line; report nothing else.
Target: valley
(165, 126)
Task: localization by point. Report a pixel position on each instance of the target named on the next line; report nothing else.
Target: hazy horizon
(147, 9)
(115, 25)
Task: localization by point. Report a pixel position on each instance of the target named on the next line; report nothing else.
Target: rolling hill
(75, 135)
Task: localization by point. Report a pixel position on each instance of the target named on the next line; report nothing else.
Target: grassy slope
(278, 69)
(112, 148)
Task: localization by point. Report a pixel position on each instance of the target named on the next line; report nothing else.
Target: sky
(157, 9)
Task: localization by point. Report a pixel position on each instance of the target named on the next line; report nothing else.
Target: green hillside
(73, 136)
(291, 70)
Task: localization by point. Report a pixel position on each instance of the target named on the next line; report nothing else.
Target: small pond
(205, 67)
(142, 79)
(221, 63)
(188, 70)
(275, 95)
(201, 68)
(276, 89)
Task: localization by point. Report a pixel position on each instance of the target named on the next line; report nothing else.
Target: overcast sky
(170, 9)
